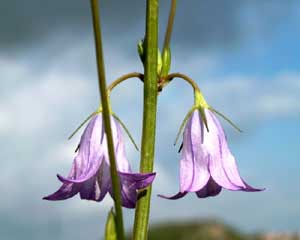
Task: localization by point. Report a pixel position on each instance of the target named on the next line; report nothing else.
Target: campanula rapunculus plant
(207, 165)
(100, 165)
(90, 173)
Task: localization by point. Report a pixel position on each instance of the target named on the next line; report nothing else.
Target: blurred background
(244, 54)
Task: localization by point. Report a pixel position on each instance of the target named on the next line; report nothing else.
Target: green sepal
(126, 130)
(200, 101)
(99, 110)
(201, 105)
(82, 124)
(203, 117)
(226, 119)
(186, 118)
(110, 227)
(166, 63)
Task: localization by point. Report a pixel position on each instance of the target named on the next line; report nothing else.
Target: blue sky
(48, 85)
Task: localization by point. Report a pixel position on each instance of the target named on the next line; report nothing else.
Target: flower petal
(90, 154)
(122, 162)
(252, 189)
(90, 142)
(140, 180)
(86, 173)
(211, 189)
(130, 183)
(67, 190)
(174, 197)
(214, 143)
(104, 180)
(194, 172)
(90, 190)
(186, 162)
(228, 174)
(119, 146)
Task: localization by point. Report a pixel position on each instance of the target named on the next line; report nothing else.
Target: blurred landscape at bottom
(210, 230)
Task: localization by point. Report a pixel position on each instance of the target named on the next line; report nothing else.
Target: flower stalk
(184, 77)
(122, 79)
(140, 231)
(106, 118)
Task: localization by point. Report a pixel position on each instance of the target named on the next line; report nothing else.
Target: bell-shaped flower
(90, 172)
(207, 165)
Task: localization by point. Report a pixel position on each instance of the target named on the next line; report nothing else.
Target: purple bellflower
(207, 165)
(90, 172)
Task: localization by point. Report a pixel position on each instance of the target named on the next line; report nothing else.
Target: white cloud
(250, 99)
(45, 98)
(163, 180)
(34, 106)
(194, 65)
(11, 71)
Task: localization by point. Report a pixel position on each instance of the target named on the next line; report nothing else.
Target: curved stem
(169, 29)
(122, 79)
(106, 119)
(141, 220)
(186, 78)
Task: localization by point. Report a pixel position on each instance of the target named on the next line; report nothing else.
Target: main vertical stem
(149, 118)
(106, 119)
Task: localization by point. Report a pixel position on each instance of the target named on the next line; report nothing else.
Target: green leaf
(110, 228)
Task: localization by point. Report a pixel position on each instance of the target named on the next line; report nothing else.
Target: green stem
(169, 29)
(141, 221)
(106, 119)
(123, 78)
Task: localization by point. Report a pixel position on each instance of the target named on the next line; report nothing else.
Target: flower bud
(141, 47)
(166, 62)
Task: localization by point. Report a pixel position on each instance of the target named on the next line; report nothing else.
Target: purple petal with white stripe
(207, 165)
(90, 173)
